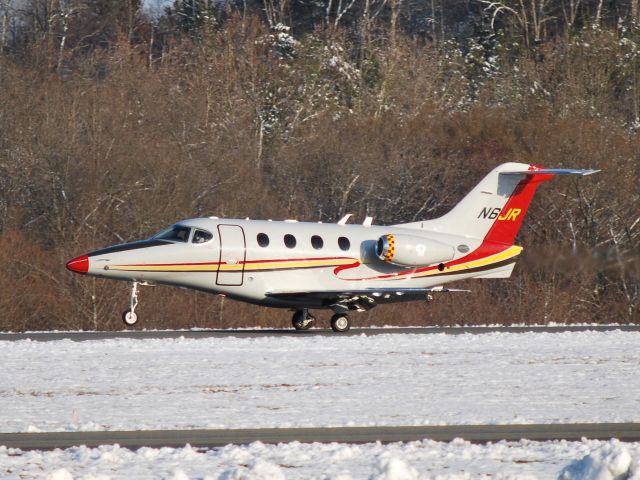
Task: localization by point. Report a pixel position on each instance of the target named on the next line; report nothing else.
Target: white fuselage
(250, 259)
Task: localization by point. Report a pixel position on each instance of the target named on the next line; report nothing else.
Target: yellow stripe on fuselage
(238, 266)
(510, 252)
(166, 268)
(297, 264)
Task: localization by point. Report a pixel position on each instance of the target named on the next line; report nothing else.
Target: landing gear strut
(340, 322)
(129, 316)
(302, 320)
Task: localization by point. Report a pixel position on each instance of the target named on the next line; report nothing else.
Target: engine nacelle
(411, 251)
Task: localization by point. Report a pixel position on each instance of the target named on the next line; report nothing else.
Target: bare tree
(395, 5)
(529, 16)
(276, 11)
(570, 12)
(4, 12)
(339, 13)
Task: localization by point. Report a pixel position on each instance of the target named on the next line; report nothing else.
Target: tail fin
(494, 210)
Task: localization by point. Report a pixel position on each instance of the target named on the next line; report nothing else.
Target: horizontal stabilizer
(552, 171)
(500, 272)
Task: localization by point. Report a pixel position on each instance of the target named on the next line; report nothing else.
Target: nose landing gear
(129, 316)
(302, 320)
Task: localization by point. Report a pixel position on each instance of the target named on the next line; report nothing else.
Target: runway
(253, 333)
(216, 438)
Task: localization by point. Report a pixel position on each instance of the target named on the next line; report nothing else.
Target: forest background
(118, 118)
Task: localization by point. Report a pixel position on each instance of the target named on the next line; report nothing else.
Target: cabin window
(201, 236)
(289, 241)
(344, 243)
(317, 242)
(263, 240)
(176, 233)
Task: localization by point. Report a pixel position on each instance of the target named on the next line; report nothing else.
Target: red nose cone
(79, 264)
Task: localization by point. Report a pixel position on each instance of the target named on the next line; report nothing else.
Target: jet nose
(79, 264)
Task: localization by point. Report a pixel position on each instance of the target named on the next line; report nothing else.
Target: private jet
(339, 266)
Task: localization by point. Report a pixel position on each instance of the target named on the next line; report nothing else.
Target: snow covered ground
(281, 381)
(305, 381)
(587, 460)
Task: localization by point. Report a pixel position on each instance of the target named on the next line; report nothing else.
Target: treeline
(118, 118)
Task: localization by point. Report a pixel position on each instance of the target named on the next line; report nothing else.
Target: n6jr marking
(493, 213)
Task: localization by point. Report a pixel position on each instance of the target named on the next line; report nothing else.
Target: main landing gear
(302, 320)
(340, 322)
(129, 316)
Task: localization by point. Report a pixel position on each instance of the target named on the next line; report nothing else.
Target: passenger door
(233, 250)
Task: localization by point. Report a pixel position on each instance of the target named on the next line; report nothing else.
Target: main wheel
(129, 318)
(340, 323)
(302, 320)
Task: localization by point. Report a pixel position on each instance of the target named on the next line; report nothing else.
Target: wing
(364, 299)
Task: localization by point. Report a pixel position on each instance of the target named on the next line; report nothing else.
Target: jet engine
(412, 251)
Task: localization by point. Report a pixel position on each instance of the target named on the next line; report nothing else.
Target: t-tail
(491, 215)
(495, 209)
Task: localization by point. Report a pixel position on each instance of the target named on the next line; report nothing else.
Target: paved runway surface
(84, 336)
(217, 438)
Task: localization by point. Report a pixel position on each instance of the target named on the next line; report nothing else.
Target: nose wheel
(302, 320)
(129, 316)
(340, 322)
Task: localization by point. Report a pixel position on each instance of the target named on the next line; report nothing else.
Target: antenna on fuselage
(367, 221)
(345, 219)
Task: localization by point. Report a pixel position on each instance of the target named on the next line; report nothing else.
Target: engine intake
(412, 251)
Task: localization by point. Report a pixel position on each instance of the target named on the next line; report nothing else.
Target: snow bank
(373, 461)
(259, 469)
(60, 474)
(394, 469)
(612, 461)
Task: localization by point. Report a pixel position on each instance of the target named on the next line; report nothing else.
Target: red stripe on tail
(506, 226)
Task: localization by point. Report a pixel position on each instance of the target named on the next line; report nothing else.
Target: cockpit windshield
(175, 233)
